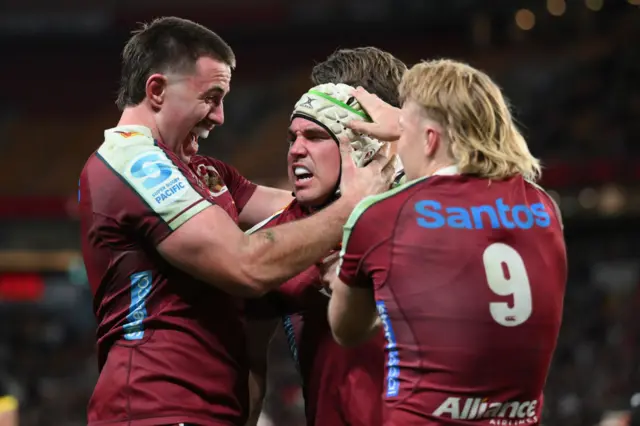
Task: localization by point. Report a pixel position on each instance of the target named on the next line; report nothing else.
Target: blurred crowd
(577, 100)
(48, 361)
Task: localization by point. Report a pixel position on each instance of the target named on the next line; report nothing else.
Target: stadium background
(570, 68)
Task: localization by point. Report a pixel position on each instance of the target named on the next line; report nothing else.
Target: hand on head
(384, 125)
(359, 182)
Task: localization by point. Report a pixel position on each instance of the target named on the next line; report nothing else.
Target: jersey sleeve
(241, 188)
(359, 238)
(364, 254)
(157, 194)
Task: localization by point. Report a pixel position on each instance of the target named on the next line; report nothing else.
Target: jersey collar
(131, 128)
(447, 171)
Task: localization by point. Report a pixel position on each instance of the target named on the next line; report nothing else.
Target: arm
(264, 202)
(211, 247)
(255, 203)
(352, 313)
(353, 316)
(200, 238)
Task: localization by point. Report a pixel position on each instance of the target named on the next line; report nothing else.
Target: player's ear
(156, 89)
(431, 140)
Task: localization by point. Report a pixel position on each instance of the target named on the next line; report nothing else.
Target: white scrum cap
(332, 106)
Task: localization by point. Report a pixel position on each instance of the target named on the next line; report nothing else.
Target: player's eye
(213, 100)
(316, 136)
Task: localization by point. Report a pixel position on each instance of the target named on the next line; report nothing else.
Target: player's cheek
(326, 171)
(323, 183)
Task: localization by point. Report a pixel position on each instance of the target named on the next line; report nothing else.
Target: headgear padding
(332, 106)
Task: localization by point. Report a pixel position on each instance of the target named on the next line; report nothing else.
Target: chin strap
(399, 178)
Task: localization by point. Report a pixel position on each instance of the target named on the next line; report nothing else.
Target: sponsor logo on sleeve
(159, 178)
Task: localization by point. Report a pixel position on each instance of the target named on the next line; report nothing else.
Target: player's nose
(216, 115)
(298, 147)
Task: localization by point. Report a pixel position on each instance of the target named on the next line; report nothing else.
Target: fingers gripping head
(332, 106)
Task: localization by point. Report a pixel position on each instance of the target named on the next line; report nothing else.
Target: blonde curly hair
(479, 128)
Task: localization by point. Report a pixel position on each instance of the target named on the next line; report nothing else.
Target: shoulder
(373, 219)
(550, 200)
(126, 136)
(160, 179)
(127, 153)
(384, 202)
(290, 212)
(131, 152)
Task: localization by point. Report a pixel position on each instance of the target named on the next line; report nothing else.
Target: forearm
(273, 255)
(352, 314)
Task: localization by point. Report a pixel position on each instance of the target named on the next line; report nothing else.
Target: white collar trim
(446, 171)
(133, 128)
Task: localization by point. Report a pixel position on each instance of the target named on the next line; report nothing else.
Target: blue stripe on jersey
(140, 289)
(393, 360)
(290, 334)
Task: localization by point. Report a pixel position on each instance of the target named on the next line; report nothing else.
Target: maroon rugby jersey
(170, 348)
(342, 386)
(469, 278)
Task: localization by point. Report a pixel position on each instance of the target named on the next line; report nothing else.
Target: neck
(140, 115)
(432, 168)
(310, 209)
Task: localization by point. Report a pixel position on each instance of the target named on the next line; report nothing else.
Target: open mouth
(202, 131)
(302, 174)
(191, 148)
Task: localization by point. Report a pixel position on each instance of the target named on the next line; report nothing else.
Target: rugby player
(341, 386)
(164, 254)
(465, 264)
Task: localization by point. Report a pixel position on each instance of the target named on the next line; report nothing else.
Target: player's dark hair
(168, 44)
(379, 72)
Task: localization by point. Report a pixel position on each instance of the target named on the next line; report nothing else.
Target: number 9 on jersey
(507, 276)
